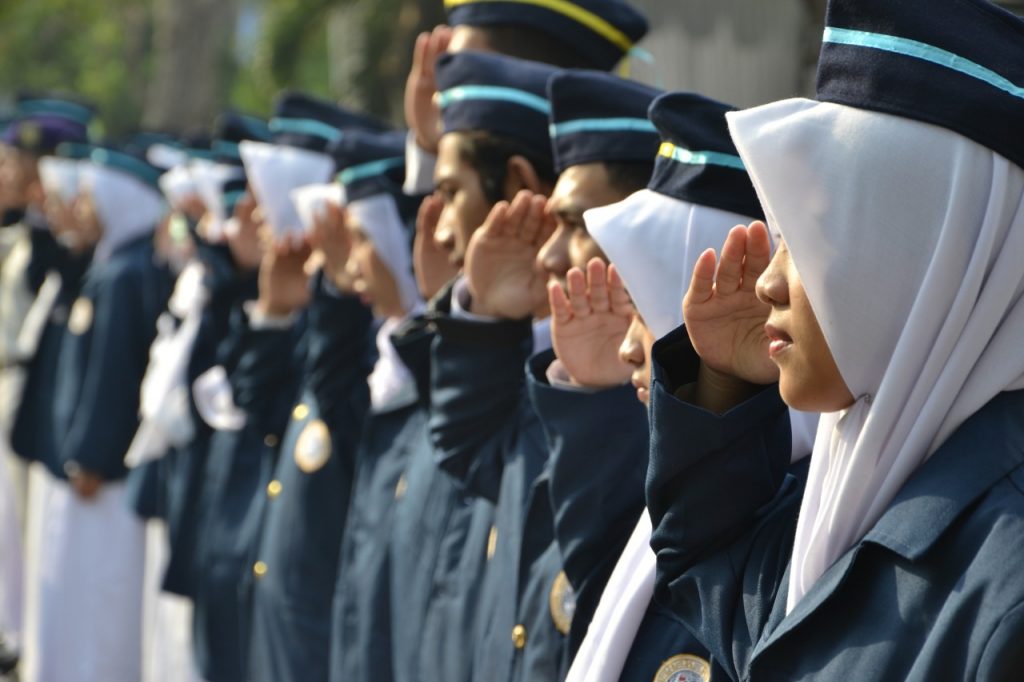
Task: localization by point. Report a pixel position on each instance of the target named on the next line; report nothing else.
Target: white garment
(378, 216)
(209, 179)
(908, 238)
(59, 177)
(90, 601)
(127, 208)
(419, 168)
(11, 556)
(392, 385)
(273, 172)
(311, 201)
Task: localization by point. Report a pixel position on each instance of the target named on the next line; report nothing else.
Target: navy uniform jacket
(361, 636)
(490, 438)
(239, 466)
(185, 467)
(33, 436)
(307, 499)
(104, 355)
(931, 592)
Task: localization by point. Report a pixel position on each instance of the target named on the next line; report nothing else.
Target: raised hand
(432, 265)
(331, 239)
(283, 280)
(421, 112)
(589, 324)
(500, 270)
(724, 318)
(242, 233)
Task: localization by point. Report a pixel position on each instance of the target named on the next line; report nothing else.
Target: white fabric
(38, 488)
(164, 401)
(59, 177)
(35, 321)
(165, 156)
(273, 172)
(311, 200)
(215, 401)
(167, 618)
(208, 178)
(908, 239)
(391, 383)
(11, 558)
(177, 185)
(419, 168)
(127, 208)
(616, 621)
(90, 605)
(378, 216)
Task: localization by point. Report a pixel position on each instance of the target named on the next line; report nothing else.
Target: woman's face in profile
(809, 378)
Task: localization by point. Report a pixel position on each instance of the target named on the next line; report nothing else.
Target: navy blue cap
(41, 123)
(697, 161)
(601, 31)
(229, 129)
(497, 94)
(371, 163)
(958, 64)
(78, 151)
(130, 158)
(303, 121)
(596, 116)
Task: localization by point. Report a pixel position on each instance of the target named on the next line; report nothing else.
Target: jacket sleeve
(477, 394)
(722, 506)
(598, 444)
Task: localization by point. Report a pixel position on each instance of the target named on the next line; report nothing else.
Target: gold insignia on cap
(492, 542)
(29, 134)
(684, 668)
(313, 448)
(563, 603)
(80, 319)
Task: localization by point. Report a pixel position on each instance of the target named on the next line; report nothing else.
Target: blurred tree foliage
(107, 52)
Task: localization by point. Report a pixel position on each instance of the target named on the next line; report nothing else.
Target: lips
(779, 341)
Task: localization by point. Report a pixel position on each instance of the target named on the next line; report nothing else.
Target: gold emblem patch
(313, 448)
(684, 668)
(563, 603)
(80, 319)
(29, 134)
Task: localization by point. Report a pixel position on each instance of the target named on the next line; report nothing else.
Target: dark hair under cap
(596, 116)
(697, 161)
(500, 95)
(958, 64)
(602, 31)
(301, 120)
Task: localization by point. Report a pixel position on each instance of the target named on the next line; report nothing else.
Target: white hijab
(127, 208)
(59, 177)
(208, 178)
(908, 238)
(654, 241)
(274, 171)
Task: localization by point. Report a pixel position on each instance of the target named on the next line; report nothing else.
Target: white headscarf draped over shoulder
(127, 208)
(908, 238)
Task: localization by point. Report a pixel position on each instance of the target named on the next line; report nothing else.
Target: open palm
(589, 323)
(500, 259)
(724, 318)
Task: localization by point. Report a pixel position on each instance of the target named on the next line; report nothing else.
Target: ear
(520, 174)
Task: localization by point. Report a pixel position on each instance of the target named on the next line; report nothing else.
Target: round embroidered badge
(313, 448)
(80, 319)
(684, 668)
(563, 603)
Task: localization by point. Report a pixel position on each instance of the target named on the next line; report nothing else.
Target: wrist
(719, 392)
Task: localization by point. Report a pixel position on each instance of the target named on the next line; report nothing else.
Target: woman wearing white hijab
(92, 550)
(897, 308)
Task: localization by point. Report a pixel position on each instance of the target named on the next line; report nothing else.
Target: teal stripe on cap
(305, 126)
(56, 107)
(370, 169)
(496, 93)
(923, 51)
(686, 156)
(225, 148)
(231, 198)
(127, 164)
(602, 125)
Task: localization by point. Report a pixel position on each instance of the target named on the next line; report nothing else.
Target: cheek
(583, 249)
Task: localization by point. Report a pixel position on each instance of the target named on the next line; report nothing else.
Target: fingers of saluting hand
(578, 298)
(758, 254)
(621, 303)
(535, 222)
(730, 265)
(517, 213)
(702, 284)
(559, 303)
(497, 220)
(597, 279)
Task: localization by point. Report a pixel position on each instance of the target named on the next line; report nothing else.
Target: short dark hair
(629, 176)
(523, 42)
(488, 154)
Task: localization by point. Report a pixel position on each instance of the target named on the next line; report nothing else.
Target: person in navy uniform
(894, 561)
(249, 402)
(92, 551)
(378, 219)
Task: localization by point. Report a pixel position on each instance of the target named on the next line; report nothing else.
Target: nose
(631, 350)
(553, 257)
(444, 236)
(772, 287)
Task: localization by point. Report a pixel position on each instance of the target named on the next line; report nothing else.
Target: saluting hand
(724, 318)
(283, 280)
(500, 259)
(332, 240)
(589, 324)
(433, 267)
(421, 111)
(243, 236)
